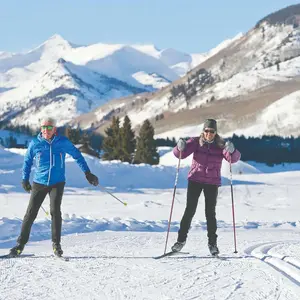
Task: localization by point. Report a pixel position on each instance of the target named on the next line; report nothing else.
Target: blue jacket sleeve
(28, 161)
(76, 154)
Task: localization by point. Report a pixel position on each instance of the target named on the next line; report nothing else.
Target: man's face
(47, 130)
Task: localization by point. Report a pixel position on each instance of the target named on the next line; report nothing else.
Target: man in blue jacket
(49, 151)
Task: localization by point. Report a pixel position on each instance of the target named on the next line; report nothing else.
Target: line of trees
(268, 149)
(79, 136)
(9, 142)
(120, 143)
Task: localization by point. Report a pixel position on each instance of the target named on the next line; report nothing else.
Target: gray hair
(48, 120)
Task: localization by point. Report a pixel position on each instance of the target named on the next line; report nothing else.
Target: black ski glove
(26, 186)
(91, 178)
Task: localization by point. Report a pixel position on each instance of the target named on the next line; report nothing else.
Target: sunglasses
(209, 131)
(48, 127)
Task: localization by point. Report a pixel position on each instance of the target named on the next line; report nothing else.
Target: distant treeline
(120, 143)
(268, 149)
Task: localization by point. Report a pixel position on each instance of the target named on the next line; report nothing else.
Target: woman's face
(209, 134)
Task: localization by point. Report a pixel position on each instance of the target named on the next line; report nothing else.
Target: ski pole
(232, 205)
(105, 190)
(45, 211)
(174, 191)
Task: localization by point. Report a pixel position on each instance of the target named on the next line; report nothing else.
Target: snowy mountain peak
(56, 40)
(172, 57)
(54, 47)
(236, 83)
(61, 61)
(148, 49)
(5, 54)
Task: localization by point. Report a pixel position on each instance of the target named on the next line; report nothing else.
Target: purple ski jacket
(207, 160)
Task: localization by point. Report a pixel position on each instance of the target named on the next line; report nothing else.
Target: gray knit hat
(210, 123)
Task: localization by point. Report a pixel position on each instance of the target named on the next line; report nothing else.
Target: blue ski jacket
(50, 159)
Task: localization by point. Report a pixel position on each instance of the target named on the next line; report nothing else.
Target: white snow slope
(248, 64)
(111, 247)
(60, 76)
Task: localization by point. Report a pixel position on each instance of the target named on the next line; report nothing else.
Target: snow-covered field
(111, 247)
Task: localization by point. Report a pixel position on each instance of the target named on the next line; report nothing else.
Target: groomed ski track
(120, 265)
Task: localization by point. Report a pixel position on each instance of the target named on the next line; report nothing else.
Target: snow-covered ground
(111, 247)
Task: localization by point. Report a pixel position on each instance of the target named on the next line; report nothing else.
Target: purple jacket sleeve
(191, 146)
(234, 157)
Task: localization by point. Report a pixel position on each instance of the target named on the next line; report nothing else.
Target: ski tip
(171, 253)
(61, 257)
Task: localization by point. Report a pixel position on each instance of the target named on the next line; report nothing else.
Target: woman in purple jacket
(208, 152)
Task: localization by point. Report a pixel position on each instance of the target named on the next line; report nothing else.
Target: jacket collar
(217, 142)
(40, 138)
(203, 141)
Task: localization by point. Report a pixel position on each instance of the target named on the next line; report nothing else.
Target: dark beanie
(210, 123)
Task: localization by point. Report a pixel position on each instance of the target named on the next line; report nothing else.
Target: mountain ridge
(265, 58)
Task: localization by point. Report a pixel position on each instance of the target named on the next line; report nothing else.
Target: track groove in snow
(120, 265)
(287, 266)
(111, 248)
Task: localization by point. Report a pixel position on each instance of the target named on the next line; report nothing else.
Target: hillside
(235, 85)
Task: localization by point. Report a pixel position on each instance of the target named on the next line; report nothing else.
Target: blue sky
(186, 25)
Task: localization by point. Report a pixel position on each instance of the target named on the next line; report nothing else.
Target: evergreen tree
(146, 151)
(111, 143)
(85, 138)
(74, 135)
(96, 141)
(11, 142)
(127, 140)
(66, 131)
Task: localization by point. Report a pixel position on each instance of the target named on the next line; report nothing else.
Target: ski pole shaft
(171, 212)
(105, 190)
(232, 205)
(45, 211)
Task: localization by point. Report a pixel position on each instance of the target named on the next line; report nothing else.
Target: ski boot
(16, 251)
(178, 246)
(57, 249)
(213, 249)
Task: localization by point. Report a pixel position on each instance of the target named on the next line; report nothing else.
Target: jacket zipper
(50, 164)
(208, 148)
(61, 161)
(50, 143)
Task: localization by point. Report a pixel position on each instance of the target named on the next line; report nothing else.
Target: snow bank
(110, 173)
(41, 229)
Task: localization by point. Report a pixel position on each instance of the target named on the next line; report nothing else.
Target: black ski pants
(193, 193)
(38, 195)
